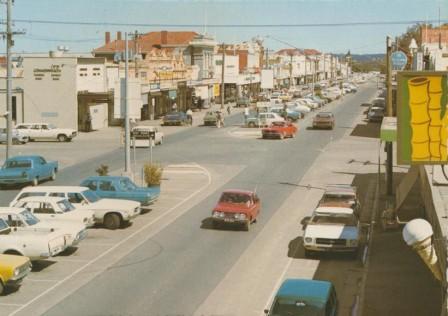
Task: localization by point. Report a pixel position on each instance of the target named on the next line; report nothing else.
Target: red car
(279, 130)
(237, 207)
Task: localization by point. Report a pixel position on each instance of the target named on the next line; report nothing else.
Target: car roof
(42, 199)
(238, 191)
(340, 189)
(24, 157)
(54, 188)
(311, 290)
(15, 210)
(333, 210)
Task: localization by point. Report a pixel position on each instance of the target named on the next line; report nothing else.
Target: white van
(112, 213)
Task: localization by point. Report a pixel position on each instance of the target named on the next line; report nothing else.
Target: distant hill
(367, 62)
(364, 57)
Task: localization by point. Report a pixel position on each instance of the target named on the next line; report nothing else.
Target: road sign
(399, 60)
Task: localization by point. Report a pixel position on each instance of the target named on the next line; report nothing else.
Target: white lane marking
(58, 259)
(209, 181)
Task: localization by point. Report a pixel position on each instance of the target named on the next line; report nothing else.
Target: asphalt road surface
(174, 271)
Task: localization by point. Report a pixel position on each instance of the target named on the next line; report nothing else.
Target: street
(184, 267)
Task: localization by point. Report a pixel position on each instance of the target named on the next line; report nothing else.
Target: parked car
(143, 134)
(379, 103)
(34, 244)
(375, 114)
(310, 103)
(22, 220)
(175, 118)
(289, 114)
(242, 102)
(17, 138)
(45, 131)
(324, 120)
(13, 269)
(27, 169)
(304, 297)
(111, 213)
(332, 229)
(340, 195)
(51, 209)
(236, 207)
(279, 130)
(263, 119)
(210, 118)
(116, 187)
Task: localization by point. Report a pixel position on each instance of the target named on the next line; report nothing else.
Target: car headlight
(16, 272)
(218, 214)
(308, 239)
(240, 216)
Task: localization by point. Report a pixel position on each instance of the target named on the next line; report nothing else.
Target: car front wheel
(112, 221)
(62, 138)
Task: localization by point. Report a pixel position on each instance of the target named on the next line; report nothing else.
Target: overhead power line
(294, 25)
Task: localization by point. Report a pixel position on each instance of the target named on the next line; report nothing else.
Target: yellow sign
(216, 90)
(422, 118)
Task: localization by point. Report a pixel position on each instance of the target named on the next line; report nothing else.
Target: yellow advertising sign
(216, 90)
(422, 118)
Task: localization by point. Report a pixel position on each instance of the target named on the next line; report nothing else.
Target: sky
(359, 39)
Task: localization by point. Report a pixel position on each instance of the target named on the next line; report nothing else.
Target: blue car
(115, 187)
(175, 118)
(304, 297)
(27, 169)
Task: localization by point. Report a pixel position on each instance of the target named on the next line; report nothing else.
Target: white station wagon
(45, 131)
(332, 229)
(56, 209)
(112, 213)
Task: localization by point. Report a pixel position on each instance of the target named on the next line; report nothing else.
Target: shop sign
(54, 71)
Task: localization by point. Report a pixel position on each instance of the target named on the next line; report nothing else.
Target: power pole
(325, 73)
(290, 70)
(222, 74)
(9, 44)
(389, 112)
(135, 54)
(267, 58)
(127, 140)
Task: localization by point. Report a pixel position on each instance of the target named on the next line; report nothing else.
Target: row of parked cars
(27, 132)
(43, 221)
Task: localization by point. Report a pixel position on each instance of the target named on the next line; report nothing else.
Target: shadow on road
(41, 265)
(370, 130)
(207, 223)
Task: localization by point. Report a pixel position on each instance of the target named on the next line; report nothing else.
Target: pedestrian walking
(219, 119)
(190, 116)
(246, 114)
(228, 110)
(88, 122)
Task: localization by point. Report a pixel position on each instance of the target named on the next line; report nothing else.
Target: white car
(56, 209)
(36, 245)
(141, 135)
(112, 213)
(298, 106)
(21, 219)
(332, 229)
(45, 131)
(17, 138)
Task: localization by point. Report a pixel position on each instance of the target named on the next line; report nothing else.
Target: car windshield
(334, 219)
(238, 198)
(127, 185)
(337, 198)
(278, 124)
(29, 218)
(91, 196)
(324, 115)
(65, 206)
(11, 164)
(299, 308)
